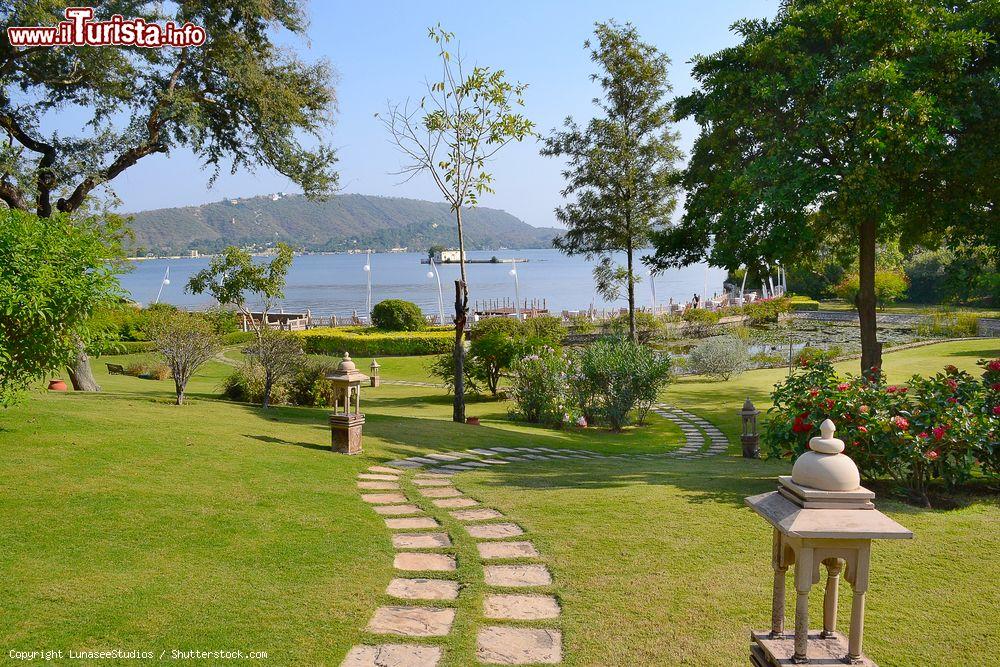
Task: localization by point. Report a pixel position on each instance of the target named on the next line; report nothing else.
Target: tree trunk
(267, 390)
(179, 387)
(461, 314)
(80, 373)
(631, 299)
(871, 348)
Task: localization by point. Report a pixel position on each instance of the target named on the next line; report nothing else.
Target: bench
(115, 369)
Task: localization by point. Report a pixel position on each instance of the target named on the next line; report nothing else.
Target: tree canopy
(843, 123)
(620, 167)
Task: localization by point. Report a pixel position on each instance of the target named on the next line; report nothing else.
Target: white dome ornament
(825, 467)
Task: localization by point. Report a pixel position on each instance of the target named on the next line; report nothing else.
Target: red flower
(938, 432)
(995, 386)
(814, 392)
(843, 386)
(996, 410)
(952, 399)
(891, 388)
(932, 454)
(902, 390)
(951, 368)
(923, 435)
(863, 409)
(828, 403)
(994, 365)
(951, 384)
(900, 422)
(863, 429)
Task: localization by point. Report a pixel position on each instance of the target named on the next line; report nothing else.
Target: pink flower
(814, 392)
(900, 422)
(995, 386)
(952, 399)
(923, 435)
(863, 409)
(996, 410)
(994, 365)
(828, 403)
(843, 386)
(938, 432)
(891, 388)
(951, 384)
(863, 429)
(932, 454)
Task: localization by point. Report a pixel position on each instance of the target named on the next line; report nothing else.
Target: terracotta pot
(57, 385)
(474, 421)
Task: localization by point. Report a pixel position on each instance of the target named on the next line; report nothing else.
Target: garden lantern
(749, 437)
(821, 515)
(346, 419)
(376, 380)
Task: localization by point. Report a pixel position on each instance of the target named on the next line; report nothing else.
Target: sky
(381, 52)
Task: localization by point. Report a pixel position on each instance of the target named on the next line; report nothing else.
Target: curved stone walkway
(414, 494)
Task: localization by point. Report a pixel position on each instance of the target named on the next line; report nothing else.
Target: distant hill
(341, 223)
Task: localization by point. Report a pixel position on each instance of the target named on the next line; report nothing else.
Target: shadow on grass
(279, 441)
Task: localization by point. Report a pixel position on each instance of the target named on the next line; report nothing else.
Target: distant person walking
(696, 301)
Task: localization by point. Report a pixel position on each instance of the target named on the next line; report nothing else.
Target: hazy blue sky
(381, 51)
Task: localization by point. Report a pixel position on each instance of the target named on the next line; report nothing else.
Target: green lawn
(913, 308)
(134, 523)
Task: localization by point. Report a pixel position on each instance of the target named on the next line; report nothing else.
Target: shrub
(237, 338)
(801, 303)
(160, 372)
(764, 311)
(370, 342)
(310, 386)
(539, 388)
(890, 287)
(990, 457)
(398, 315)
(933, 427)
(949, 325)
(122, 347)
(615, 376)
(498, 341)
(443, 368)
(701, 316)
(721, 357)
(280, 355)
(246, 384)
(137, 368)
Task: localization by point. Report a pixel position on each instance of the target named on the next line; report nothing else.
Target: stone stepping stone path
(521, 597)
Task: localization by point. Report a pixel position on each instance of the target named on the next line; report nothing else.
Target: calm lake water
(336, 284)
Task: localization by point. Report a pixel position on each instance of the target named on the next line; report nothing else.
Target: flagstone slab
(499, 550)
(385, 486)
(424, 562)
(455, 502)
(505, 450)
(518, 646)
(483, 452)
(432, 475)
(423, 589)
(412, 523)
(481, 514)
(391, 471)
(421, 459)
(378, 476)
(476, 464)
(393, 655)
(517, 576)
(431, 482)
(494, 531)
(412, 621)
(421, 540)
(393, 510)
(403, 463)
(383, 498)
(441, 492)
(514, 607)
(442, 457)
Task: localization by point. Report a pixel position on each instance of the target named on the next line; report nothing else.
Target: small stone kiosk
(821, 516)
(345, 425)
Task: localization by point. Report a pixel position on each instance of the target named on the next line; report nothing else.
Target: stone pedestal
(829, 651)
(345, 433)
(751, 446)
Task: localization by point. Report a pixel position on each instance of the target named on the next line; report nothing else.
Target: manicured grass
(913, 308)
(130, 522)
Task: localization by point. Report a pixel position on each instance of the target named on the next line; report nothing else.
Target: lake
(336, 284)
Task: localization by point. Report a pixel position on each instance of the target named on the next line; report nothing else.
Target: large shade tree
(465, 117)
(843, 123)
(620, 169)
(239, 101)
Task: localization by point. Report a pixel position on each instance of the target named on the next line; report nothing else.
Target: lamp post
(433, 273)
(368, 275)
(821, 517)
(165, 281)
(517, 292)
(652, 289)
(375, 378)
(749, 436)
(346, 419)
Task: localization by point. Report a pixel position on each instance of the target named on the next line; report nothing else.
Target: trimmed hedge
(238, 338)
(114, 347)
(802, 303)
(371, 342)
(398, 315)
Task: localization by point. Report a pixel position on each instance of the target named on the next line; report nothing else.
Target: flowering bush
(931, 427)
(539, 388)
(990, 459)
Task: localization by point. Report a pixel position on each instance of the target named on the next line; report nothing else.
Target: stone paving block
(505, 450)
(440, 492)
(403, 463)
(518, 646)
(393, 655)
(430, 474)
(476, 464)
(482, 452)
(419, 481)
(412, 621)
(423, 589)
(391, 471)
(383, 498)
(517, 576)
(455, 502)
(412, 523)
(421, 540)
(498, 550)
(394, 510)
(378, 476)
(442, 457)
(481, 514)
(419, 562)
(494, 531)
(384, 486)
(514, 607)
